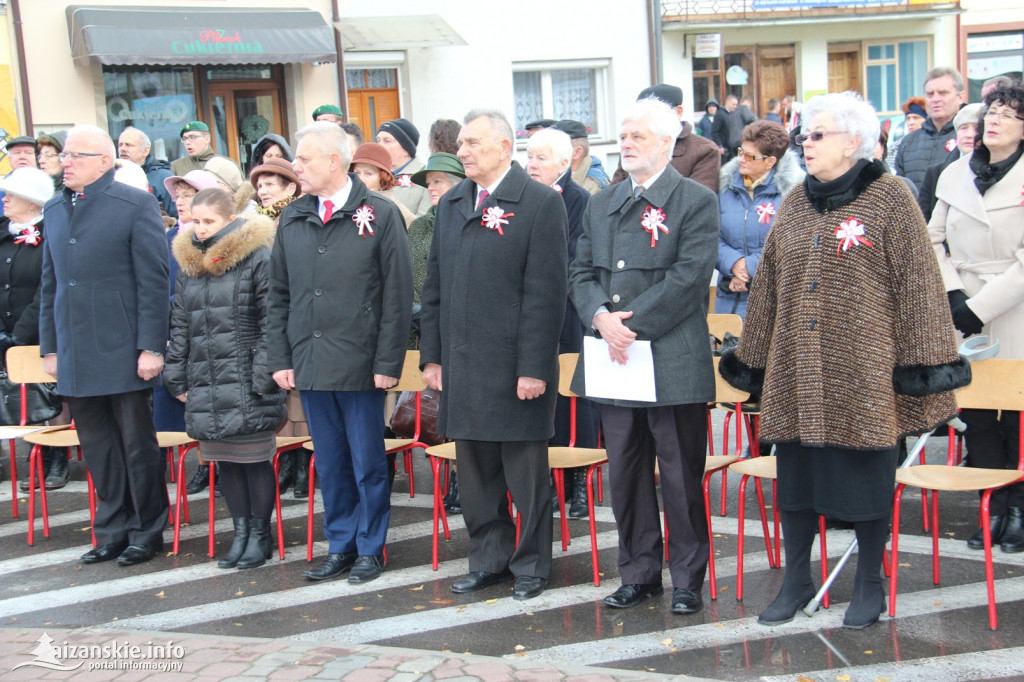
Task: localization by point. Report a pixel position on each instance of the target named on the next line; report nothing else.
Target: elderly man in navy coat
(492, 309)
(102, 333)
(641, 272)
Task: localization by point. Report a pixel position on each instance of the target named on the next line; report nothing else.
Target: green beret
(194, 126)
(327, 109)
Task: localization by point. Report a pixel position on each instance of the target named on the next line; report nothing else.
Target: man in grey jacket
(641, 272)
(929, 145)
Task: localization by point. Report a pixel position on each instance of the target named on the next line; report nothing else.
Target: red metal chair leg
(34, 470)
(559, 476)
(935, 537)
(14, 479)
(824, 557)
(764, 523)
(593, 523)
(212, 508)
(986, 498)
(740, 538)
(277, 506)
(407, 458)
(706, 484)
(181, 499)
(895, 552)
(92, 505)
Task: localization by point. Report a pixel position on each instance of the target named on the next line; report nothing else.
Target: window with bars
(556, 91)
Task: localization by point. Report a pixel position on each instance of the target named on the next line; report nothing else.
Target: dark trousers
(487, 471)
(677, 436)
(127, 466)
(348, 431)
(992, 441)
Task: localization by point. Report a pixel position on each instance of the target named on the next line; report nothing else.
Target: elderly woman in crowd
(848, 340)
(48, 147)
(752, 187)
(271, 146)
(372, 163)
(229, 179)
(979, 215)
(276, 186)
(966, 124)
(549, 161)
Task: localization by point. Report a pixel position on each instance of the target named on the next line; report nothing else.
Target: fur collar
(871, 172)
(788, 173)
(255, 233)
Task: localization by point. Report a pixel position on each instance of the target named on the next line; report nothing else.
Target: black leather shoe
(104, 553)
(138, 554)
(199, 481)
(1013, 536)
(478, 580)
(528, 587)
(997, 524)
(366, 568)
(332, 566)
(686, 601)
(57, 472)
(631, 595)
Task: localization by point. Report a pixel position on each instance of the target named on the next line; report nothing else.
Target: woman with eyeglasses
(751, 188)
(48, 149)
(849, 341)
(979, 215)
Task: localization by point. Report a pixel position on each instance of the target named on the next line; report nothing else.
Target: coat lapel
(1008, 192)
(956, 188)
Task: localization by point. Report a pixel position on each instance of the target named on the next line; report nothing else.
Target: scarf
(17, 228)
(987, 174)
(274, 210)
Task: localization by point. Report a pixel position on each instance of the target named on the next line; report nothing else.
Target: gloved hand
(964, 318)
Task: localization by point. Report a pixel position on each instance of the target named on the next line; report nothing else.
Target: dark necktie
(483, 197)
(638, 191)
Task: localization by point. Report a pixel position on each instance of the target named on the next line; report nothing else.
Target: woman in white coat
(980, 217)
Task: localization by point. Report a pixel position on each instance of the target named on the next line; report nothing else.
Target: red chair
(718, 326)
(411, 380)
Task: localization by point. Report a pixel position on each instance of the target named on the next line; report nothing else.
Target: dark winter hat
(439, 162)
(374, 154)
(669, 94)
(570, 127)
(22, 139)
(327, 109)
(403, 131)
(540, 123)
(55, 140)
(194, 126)
(711, 103)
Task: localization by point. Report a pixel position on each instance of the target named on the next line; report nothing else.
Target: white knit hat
(31, 184)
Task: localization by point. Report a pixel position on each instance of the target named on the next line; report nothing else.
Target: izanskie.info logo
(114, 655)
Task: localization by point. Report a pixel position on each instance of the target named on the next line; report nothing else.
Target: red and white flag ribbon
(765, 212)
(653, 222)
(405, 181)
(850, 233)
(29, 235)
(363, 217)
(950, 144)
(494, 218)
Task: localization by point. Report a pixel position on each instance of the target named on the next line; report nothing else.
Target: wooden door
(370, 107)
(776, 78)
(241, 114)
(844, 71)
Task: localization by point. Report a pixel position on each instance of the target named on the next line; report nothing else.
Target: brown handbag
(403, 421)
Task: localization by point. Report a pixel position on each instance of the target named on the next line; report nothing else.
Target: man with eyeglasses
(195, 137)
(21, 152)
(103, 319)
(929, 145)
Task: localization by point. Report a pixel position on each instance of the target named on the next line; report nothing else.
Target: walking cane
(971, 350)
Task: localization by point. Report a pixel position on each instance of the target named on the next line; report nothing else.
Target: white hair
(558, 142)
(851, 115)
(499, 123)
(329, 139)
(142, 137)
(99, 135)
(662, 119)
(130, 174)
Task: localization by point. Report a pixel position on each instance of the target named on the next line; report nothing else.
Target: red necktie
(328, 210)
(483, 197)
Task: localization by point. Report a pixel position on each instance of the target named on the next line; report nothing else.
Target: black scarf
(834, 194)
(987, 174)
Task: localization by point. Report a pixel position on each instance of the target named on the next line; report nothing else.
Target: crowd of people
(181, 297)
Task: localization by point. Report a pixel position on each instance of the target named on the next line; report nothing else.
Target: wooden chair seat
(62, 438)
(747, 409)
(396, 444)
(173, 439)
(759, 467)
(291, 442)
(940, 477)
(717, 462)
(308, 445)
(562, 457)
(444, 450)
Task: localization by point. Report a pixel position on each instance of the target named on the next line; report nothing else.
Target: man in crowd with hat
(135, 145)
(195, 136)
(329, 112)
(695, 157)
(21, 152)
(539, 124)
(587, 170)
(400, 138)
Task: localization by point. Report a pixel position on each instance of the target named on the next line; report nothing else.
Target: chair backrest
(724, 392)
(719, 324)
(711, 296)
(25, 366)
(996, 384)
(412, 377)
(566, 368)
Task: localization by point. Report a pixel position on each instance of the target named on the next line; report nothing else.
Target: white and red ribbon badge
(29, 235)
(765, 212)
(557, 187)
(850, 233)
(405, 181)
(951, 144)
(363, 217)
(653, 221)
(494, 218)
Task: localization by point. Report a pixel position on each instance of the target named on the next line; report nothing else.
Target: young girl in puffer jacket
(216, 362)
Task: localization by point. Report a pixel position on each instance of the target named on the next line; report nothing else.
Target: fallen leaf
(491, 601)
(519, 647)
(239, 593)
(358, 608)
(442, 601)
(869, 652)
(161, 594)
(938, 603)
(800, 678)
(418, 607)
(667, 641)
(416, 589)
(905, 565)
(881, 679)
(723, 588)
(529, 613)
(842, 678)
(114, 618)
(238, 625)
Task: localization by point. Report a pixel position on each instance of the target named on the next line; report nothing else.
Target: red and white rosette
(494, 218)
(950, 144)
(653, 222)
(405, 180)
(765, 212)
(557, 187)
(850, 233)
(363, 217)
(29, 236)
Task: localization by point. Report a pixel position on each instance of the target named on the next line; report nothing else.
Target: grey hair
(329, 139)
(96, 133)
(661, 118)
(851, 114)
(558, 142)
(583, 143)
(499, 123)
(143, 137)
(453, 178)
(940, 71)
(130, 174)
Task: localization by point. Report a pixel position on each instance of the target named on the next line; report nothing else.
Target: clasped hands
(618, 336)
(527, 388)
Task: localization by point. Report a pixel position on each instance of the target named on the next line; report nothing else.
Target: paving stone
(294, 672)
(489, 672)
(369, 675)
(539, 675)
(420, 665)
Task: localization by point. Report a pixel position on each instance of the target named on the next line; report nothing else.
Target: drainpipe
(19, 42)
(654, 39)
(340, 64)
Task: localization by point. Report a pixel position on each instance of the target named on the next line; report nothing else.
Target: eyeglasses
(817, 136)
(192, 137)
(751, 157)
(187, 196)
(76, 156)
(1004, 115)
(48, 155)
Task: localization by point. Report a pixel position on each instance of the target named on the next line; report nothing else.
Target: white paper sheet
(11, 432)
(608, 379)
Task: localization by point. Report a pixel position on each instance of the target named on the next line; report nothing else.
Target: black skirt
(851, 485)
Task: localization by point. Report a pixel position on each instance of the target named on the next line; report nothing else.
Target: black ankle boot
(453, 501)
(301, 488)
(798, 530)
(257, 548)
(578, 503)
(242, 529)
(1012, 540)
(200, 480)
(286, 470)
(868, 601)
(57, 470)
(998, 526)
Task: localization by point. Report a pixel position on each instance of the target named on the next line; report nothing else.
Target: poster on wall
(708, 46)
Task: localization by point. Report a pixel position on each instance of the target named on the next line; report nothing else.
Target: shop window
(360, 79)
(557, 91)
(156, 101)
(707, 82)
(990, 55)
(894, 72)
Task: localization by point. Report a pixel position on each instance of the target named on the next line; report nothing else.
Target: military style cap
(194, 126)
(327, 109)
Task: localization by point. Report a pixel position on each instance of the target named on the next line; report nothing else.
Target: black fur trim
(832, 202)
(739, 374)
(921, 380)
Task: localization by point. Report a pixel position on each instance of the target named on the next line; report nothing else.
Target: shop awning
(197, 35)
(398, 32)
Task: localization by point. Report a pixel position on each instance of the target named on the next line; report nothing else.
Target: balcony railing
(703, 11)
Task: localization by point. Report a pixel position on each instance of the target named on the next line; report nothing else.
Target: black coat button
(72, 241)
(814, 323)
(316, 334)
(72, 283)
(322, 249)
(318, 292)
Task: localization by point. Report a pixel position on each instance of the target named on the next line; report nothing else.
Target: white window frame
(602, 69)
(895, 42)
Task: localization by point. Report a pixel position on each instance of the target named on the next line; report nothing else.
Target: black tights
(249, 489)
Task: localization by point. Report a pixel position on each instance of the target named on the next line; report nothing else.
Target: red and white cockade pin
(363, 217)
(557, 187)
(765, 212)
(653, 221)
(405, 181)
(950, 144)
(850, 233)
(29, 235)
(494, 218)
